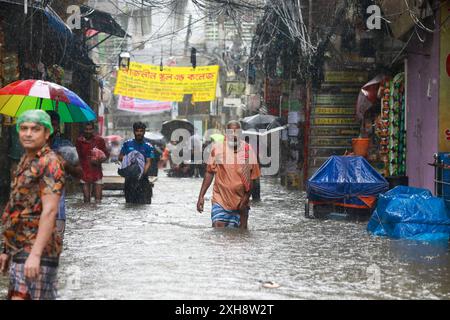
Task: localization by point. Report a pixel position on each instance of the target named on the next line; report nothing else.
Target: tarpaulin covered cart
(347, 182)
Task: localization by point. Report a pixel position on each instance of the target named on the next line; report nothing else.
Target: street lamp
(124, 61)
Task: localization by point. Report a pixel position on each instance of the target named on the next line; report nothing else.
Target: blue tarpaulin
(410, 213)
(345, 178)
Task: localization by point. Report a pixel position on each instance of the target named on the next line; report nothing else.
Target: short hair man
(32, 244)
(92, 166)
(234, 166)
(138, 191)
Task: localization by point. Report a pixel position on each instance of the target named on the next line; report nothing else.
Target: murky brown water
(169, 251)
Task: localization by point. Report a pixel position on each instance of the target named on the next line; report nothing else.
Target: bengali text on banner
(148, 82)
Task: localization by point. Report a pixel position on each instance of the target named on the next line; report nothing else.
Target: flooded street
(169, 251)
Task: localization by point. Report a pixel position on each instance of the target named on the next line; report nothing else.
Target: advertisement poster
(143, 106)
(148, 82)
(444, 90)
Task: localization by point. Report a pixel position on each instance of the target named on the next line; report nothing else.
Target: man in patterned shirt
(32, 245)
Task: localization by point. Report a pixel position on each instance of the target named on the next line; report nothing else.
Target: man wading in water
(138, 190)
(32, 245)
(234, 166)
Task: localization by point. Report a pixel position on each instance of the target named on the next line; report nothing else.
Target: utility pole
(188, 35)
(308, 106)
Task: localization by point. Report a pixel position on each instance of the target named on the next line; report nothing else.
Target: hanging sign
(346, 76)
(336, 99)
(143, 106)
(334, 121)
(331, 142)
(148, 82)
(444, 92)
(333, 131)
(334, 110)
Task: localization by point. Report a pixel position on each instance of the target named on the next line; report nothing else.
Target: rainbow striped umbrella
(24, 95)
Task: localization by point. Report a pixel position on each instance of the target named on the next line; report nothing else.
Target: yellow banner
(444, 91)
(148, 82)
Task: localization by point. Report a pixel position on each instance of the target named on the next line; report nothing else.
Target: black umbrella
(170, 126)
(258, 121)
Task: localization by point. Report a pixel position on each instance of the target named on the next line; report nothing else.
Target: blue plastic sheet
(410, 213)
(345, 177)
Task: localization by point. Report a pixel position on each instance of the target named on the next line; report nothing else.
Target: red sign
(448, 65)
(447, 134)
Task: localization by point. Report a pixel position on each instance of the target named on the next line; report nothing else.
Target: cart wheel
(307, 209)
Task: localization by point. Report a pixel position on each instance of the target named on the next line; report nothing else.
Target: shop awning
(58, 25)
(57, 38)
(55, 23)
(101, 21)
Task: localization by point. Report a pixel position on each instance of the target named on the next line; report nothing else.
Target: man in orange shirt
(234, 166)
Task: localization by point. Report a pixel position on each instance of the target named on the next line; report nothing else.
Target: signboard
(334, 110)
(148, 82)
(328, 151)
(444, 91)
(346, 76)
(232, 102)
(343, 142)
(235, 88)
(325, 131)
(143, 106)
(336, 99)
(334, 121)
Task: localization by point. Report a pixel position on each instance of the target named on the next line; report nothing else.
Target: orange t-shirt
(229, 189)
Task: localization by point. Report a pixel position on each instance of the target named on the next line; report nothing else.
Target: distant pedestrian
(234, 166)
(139, 190)
(31, 243)
(70, 160)
(195, 148)
(93, 152)
(158, 153)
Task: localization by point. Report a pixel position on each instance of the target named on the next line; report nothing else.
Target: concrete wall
(422, 110)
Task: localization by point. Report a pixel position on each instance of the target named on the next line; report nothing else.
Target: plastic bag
(98, 155)
(131, 172)
(69, 154)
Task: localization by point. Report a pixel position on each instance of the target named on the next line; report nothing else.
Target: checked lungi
(42, 288)
(231, 218)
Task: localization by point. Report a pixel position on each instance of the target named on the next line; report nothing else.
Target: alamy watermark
(374, 20)
(74, 20)
(373, 273)
(264, 149)
(74, 11)
(69, 280)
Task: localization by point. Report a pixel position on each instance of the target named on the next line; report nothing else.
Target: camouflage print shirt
(43, 175)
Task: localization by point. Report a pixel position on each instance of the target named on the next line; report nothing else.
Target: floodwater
(169, 251)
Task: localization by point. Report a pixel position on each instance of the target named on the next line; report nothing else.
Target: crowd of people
(34, 218)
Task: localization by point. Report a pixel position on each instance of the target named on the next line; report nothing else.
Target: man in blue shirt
(138, 191)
